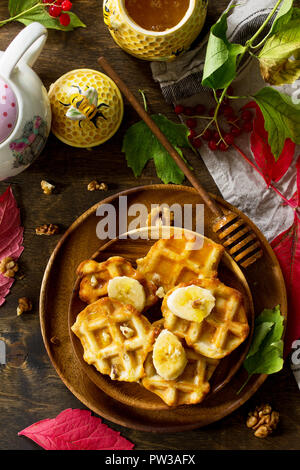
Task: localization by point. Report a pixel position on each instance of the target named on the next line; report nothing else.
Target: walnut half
(47, 188)
(95, 186)
(25, 305)
(263, 420)
(8, 267)
(47, 229)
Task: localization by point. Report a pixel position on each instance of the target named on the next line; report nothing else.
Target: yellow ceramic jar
(87, 108)
(152, 45)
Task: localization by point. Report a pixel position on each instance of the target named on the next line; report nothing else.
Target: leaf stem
(206, 127)
(237, 97)
(144, 99)
(24, 12)
(251, 40)
(244, 384)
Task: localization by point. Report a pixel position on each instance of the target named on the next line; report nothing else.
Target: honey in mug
(155, 29)
(156, 15)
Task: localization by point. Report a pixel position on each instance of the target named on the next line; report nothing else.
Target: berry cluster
(217, 138)
(58, 9)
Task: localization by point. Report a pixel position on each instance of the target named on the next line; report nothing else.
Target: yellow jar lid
(87, 108)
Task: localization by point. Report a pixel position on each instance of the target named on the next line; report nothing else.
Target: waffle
(189, 388)
(220, 332)
(115, 337)
(95, 277)
(172, 261)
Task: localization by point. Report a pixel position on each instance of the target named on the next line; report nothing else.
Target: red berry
(199, 109)
(247, 115)
(66, 5)
(188, 111)
(212, 145)
(179, 109)
(192, 133)
(197, 143)
(58, 2)
(54, 11)
(191, 123)
(223, 147)
(228, 112)
(229, 139)
(64, 19)
(247, 126)
(211, 112)
(216, 136)
(207, 135)
(235, 131)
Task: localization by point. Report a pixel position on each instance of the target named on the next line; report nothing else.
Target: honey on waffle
(222, 331)
(172, 261)
(96, 276)
(116, 338)
(189, 388)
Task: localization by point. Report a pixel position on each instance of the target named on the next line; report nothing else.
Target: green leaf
(17, 6)
(283, 16)
(140, 145)
(282, 118)
(276, 64)
(261, 332)
(221, 55)
(265, 353)
(40, 14)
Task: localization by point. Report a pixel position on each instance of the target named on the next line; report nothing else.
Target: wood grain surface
(30, 389)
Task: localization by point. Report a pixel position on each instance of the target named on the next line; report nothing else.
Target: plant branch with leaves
(54, 14)
(279, 64)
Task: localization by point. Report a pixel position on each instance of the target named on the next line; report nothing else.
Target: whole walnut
(263, 420)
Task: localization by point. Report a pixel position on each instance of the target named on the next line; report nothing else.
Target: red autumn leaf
(11, 236)
(272, 170)
(287, 249)
(295, 198)
(75, 430)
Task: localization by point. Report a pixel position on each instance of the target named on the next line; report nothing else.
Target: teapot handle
(27, 45)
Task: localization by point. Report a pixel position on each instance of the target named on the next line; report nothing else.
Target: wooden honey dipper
(239, 239)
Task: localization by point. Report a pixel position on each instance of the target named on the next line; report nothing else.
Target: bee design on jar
(84, 106)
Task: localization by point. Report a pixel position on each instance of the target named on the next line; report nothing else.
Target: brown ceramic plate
(264, 279)
(134, 394)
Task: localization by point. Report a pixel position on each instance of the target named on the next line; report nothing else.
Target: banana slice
(192, 303)
(169, 356)
(128, 291)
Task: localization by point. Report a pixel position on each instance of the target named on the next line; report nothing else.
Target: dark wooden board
(30, 389)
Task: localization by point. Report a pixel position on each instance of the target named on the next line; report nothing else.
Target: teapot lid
(8, 110)
(87, 108)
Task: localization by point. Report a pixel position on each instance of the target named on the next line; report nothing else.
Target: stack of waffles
(202, 321)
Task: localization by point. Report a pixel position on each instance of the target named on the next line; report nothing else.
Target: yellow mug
(154, 45)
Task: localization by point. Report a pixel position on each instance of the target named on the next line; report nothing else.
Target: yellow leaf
(280, 73)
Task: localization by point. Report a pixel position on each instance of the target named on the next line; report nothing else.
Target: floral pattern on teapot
(29, 146)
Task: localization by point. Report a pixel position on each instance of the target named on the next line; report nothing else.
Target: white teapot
(25, 113)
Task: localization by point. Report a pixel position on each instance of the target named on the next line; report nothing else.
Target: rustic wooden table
(30, 389)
